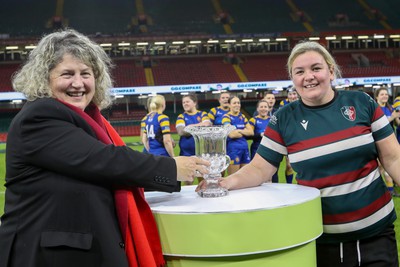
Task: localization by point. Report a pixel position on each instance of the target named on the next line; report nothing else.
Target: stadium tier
(177, 17)
(140, 36)
(216, 69)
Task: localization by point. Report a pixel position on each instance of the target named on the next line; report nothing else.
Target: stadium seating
(389, 9)
(178, 17)
(265, 67)
(99, 16)
(192, 70)
(214, 69)
(267, 17)
(168, 19)
(26, 17)
(134, 115)
(327, 18)
(6, 71)
(129, 73)
(379, 63)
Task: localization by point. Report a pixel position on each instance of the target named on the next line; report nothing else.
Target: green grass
(133, 142)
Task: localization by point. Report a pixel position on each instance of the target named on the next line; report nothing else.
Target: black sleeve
(55, 138)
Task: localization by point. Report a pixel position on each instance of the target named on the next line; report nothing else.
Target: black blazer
(59, 208)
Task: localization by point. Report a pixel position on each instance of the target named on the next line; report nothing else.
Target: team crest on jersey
(349, 112)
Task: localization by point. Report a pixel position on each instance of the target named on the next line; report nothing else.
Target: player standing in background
(291, 97)
(258, 124)
(237, 147)
(271, 100)
(217, 113)
(191, 116)
(157, 135)
(382, 98)
(143, 124)
(396, 106)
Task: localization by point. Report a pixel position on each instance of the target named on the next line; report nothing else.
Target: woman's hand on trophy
(226, 183)
(201, 186)
(190, 167)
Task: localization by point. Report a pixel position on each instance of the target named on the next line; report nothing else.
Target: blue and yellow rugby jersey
(186, 143)
(240, 122)
(216, 115)
(156, 125)
(258, 124)
(396, 106)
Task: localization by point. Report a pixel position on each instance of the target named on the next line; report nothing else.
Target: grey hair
(306, 46)
(32, 79)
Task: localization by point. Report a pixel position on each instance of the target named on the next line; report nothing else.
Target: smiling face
(235, 105)
(263, 108)
(188, 104)
(382, 97)
(73, 82)
(312, 78)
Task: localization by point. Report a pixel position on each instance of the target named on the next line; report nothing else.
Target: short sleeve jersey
(284, 102)
(216, 115)
(143, 129)
(156, 125)
(240, 122)
(396, 106)
(387, 110)
(396, 103)
(332, 148)
(259, 124)
(186, 143)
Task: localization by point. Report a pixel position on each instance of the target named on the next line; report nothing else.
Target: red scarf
(138, 227)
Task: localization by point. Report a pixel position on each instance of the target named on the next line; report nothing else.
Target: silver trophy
(210, 144)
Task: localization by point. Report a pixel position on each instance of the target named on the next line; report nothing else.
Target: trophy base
(213, 189)
(213, 193)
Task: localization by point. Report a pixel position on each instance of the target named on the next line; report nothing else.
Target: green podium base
(301, 256)
(270, 225)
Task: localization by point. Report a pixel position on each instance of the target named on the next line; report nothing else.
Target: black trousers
(377, 251)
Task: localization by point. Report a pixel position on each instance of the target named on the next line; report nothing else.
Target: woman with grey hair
(74, 192)
(333, 140)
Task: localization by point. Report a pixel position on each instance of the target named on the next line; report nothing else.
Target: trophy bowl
(210, 145)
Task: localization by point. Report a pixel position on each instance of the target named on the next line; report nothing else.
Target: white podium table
(268, 225)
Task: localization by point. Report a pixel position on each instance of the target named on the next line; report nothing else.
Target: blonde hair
(156, 104)
(33, 78)
(306, 46)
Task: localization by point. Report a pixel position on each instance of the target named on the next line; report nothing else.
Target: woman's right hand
(223, 182)
(187, 167)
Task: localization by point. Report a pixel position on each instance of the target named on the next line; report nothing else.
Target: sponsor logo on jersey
(349, 113)
(304, 123)
(273, 120)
